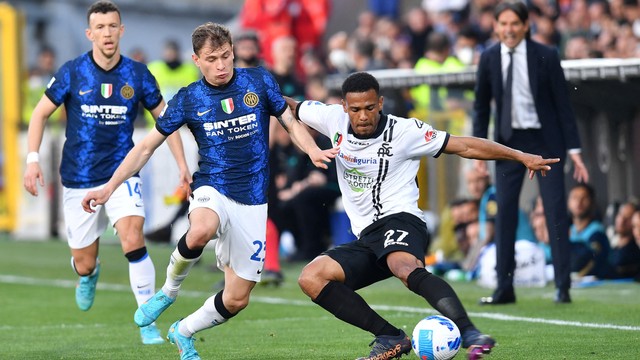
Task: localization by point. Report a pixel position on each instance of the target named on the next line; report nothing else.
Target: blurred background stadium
(599, 41)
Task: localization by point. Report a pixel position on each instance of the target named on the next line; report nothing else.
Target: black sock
(184, 250)
(222, 310)
(348, 306)
(440, 296)
(136, 255)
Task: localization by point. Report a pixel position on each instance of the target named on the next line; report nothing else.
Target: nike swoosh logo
(259, 272)
(203, 112)
(84, 92)
(142, 286)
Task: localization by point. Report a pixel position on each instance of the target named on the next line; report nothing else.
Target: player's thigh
(82, 228)
(125, 210)
(208, 215)
(241, 245)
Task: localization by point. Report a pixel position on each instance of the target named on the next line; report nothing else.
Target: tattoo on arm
(286, 121)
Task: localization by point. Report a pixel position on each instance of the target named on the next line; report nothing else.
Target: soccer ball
(436, 338)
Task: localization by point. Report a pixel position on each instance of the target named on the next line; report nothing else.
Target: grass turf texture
(40, 319)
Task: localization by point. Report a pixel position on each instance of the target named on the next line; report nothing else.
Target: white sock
(177, 271)
(204, 318)
(142, 276)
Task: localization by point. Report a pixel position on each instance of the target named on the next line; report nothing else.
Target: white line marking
(22, 280)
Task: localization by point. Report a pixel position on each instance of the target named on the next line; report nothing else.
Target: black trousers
(509, 179)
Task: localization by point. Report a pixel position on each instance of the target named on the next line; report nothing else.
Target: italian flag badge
(227, 105)
(106, 90)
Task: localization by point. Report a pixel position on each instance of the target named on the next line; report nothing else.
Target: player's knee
(310, 280)
(199, 235)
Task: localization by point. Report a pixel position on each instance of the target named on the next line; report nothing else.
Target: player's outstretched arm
(303, 139)
(482, 149)
(177, 149)
(33, 174)
(132, 163)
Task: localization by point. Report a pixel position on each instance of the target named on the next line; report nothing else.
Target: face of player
(105, 31)
(363, 109)
(216, 65)
(510, 29)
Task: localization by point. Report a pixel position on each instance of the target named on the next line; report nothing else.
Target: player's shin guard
(440, 295)
(142, 274)
(212, 313)
(181, 261)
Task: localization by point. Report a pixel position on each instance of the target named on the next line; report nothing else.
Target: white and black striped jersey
(377, 174)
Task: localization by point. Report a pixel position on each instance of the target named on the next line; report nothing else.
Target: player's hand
(33, 177)
(538, 163)
(320, 158)
(580, 172)
(185, 182)
(95, 198)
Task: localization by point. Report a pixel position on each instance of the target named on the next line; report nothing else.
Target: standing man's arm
(177, 149)
(33, 174)
(560, 92)
(302, 139)
(482, 106)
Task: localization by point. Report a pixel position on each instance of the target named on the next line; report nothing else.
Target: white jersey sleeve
(326, 119)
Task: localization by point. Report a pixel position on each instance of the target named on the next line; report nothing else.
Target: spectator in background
(625, 255)
(138, 54)
(577, 47)
(39, 76)
(589, 242)
(534, 115)
(304, 20)
(284, 67)
(418, 28)
(432, 99)
(246, 50)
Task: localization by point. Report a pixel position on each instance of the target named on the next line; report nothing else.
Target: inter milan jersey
(377, 174)
(231, 126)
(101, 108)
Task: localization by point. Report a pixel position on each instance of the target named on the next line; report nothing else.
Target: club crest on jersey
(337, 138)
(430, 135)
(251, 99)
(127, 92)
(106, 90)
(227, 105)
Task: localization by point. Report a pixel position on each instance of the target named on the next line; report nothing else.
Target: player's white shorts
(84, 228)
(241, 237)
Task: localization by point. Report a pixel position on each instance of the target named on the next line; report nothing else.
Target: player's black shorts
(364, 260)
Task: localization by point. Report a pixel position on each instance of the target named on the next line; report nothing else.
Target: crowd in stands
(440, 35)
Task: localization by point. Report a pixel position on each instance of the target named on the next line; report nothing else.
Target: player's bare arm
(482, 149)
(302, 138)
(33, 174)
(132, 163)
(177, 149)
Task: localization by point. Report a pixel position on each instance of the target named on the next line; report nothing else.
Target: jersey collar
(381, 125)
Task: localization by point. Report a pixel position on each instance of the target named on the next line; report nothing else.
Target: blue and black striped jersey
(231, 126)
(101, 108)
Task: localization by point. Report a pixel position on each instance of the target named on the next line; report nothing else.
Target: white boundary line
(22, 280)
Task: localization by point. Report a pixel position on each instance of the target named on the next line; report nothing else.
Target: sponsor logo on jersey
(106, 90)
(357, 181)
(356, 160)
(200, 113)
(127, 92)
(239, 127)
(251, 99)
(337, 138)
(105, 114)
(430, 135)
(358, 142)
(84, 92)
(227, 105)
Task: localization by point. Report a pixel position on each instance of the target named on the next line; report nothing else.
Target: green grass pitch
(39, 318)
